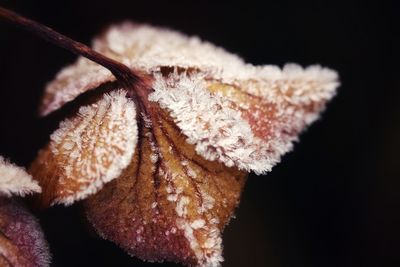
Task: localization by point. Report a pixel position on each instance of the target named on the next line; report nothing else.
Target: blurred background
(333, 201)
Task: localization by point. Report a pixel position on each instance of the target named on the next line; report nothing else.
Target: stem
(128, 77)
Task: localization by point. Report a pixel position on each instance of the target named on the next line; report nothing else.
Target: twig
(125, 75)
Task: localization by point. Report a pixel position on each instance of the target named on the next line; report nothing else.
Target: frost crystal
(15, 180)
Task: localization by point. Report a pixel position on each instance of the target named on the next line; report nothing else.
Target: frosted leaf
(249, 124)
(88, 150)
(22, 241)
(262, 108)
(15, 180)
(210, 122)
(149, 49)
(208, 119)
(173, 208)
(72, 81)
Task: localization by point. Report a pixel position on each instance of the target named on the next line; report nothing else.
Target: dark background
(334, 201)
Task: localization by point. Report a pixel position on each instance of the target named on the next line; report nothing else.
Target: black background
(333, 201)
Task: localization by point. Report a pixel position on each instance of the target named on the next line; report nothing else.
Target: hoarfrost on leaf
(15, 180)
(150, 49)
(89, 150)
(22, 242)
(206, 119)
(158, 210)
(21, 239)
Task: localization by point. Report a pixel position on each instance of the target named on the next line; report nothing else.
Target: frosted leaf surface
(149, 49)
(249, 124)
(72, 81)
(88, 150)
(172, 206)
(15, 180)
(210, 122)
(22, 241)
(267, 105)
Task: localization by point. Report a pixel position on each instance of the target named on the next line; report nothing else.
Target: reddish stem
(130, 78)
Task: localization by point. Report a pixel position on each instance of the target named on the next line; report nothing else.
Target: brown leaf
(206, 120)
(170, 203)
(15, 181)
(246, 123)
(88, 150)
(22, 242)
(278, 109)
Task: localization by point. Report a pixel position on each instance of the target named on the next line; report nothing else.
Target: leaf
(21, 240)
(170, 203)
(88, 150)
(251, 123)
(200, 121)
(206, 120)
(15, 181)
(71, 82)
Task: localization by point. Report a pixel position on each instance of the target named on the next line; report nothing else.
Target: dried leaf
(22, 243)
(151, 50)
(170, 203)
(21, 239)
(87, 150)
(249, 124)
(72, 81)
(208, 120)
(15, 181)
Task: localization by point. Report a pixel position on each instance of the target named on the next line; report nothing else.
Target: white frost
(15, 180)
(72, 81)
(217, 128)
(149, 48)
(209, 122)
(96, 145)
